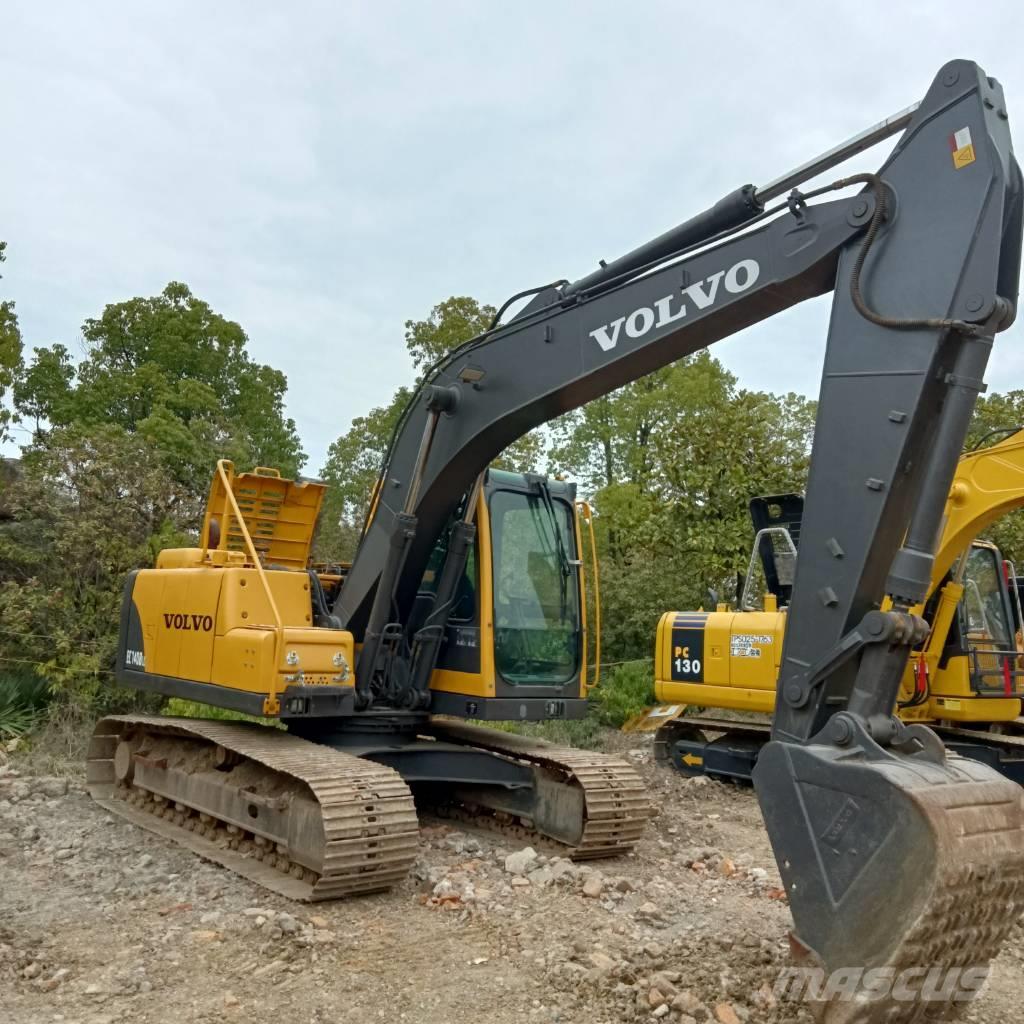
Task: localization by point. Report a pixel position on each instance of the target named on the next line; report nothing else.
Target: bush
(178, 708)
(584, 732)
(624, 692)
(24, 697)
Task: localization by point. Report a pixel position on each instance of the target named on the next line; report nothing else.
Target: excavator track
(590, 805)
(301, 819)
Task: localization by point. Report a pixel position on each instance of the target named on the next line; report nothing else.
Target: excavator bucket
(904, 873)
(653, 718)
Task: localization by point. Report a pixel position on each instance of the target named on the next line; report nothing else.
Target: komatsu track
(314, 823)
(301, 819)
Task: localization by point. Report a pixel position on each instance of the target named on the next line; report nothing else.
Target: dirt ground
(101, 922)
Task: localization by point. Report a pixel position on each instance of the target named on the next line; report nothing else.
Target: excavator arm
(892, 853)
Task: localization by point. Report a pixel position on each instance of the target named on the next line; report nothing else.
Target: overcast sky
(323, 172)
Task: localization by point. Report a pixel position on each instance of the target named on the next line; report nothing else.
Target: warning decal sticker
(962, 146)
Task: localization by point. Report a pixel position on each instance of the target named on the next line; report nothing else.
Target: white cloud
(323, 172)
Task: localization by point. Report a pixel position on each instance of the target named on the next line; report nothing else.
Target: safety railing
(271, 705)
(999, 664)
(586, 514)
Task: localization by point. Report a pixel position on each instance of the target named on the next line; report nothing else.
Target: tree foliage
(173, 371)
(995, 416)
(86, 509)
(448, 325)
(670, 462)
(353, 464)
(118, 468)
(126, 436)
(10, 355)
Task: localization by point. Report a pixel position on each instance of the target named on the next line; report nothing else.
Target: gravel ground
(101, 922)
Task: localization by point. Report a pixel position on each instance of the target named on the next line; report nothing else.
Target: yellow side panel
(244, 660)
(214, 625)
(178, 611)
(755, 649)
(316, 650)
(472, 684)
(977, 710)
(953, 698)
(244, 602)
(719, 659)
(732, 697)
(716, 668)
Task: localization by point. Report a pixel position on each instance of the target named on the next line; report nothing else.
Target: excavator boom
(877, 832)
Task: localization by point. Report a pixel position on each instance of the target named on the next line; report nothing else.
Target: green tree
(84, 510)
(671, 461)
(448, 325)
(173, 371)
(118, 468)
(351, 470)
(10, 355)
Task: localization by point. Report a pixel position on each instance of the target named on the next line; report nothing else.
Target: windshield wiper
(563, 558)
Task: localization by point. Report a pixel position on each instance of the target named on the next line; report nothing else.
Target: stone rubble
(685, 931)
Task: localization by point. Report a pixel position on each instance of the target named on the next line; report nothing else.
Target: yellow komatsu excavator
(464, 597)
(966, 680)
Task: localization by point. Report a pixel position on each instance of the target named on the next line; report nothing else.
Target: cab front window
(536, 590)
(984, 607)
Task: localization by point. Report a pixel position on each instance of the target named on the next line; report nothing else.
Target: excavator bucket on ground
(904, 876)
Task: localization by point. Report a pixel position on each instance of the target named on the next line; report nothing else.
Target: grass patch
(587, 733)
(24, 697)
(58, 743)
(624, 692)
(178, 708)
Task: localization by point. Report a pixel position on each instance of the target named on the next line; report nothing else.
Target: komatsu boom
(893, 853)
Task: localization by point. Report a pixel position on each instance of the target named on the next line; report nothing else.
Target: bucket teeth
(296, 817)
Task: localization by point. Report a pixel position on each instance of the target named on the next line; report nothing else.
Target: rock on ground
(103, 923)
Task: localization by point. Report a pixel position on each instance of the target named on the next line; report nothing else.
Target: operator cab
(517, 627)
(985, 630)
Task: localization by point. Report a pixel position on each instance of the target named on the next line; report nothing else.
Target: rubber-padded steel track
(336, 825)
(615, 803)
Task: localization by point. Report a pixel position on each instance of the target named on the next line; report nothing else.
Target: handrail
(587, 514)
(271, 705)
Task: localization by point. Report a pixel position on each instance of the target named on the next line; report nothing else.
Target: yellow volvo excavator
(894, 853)
(966, 680)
